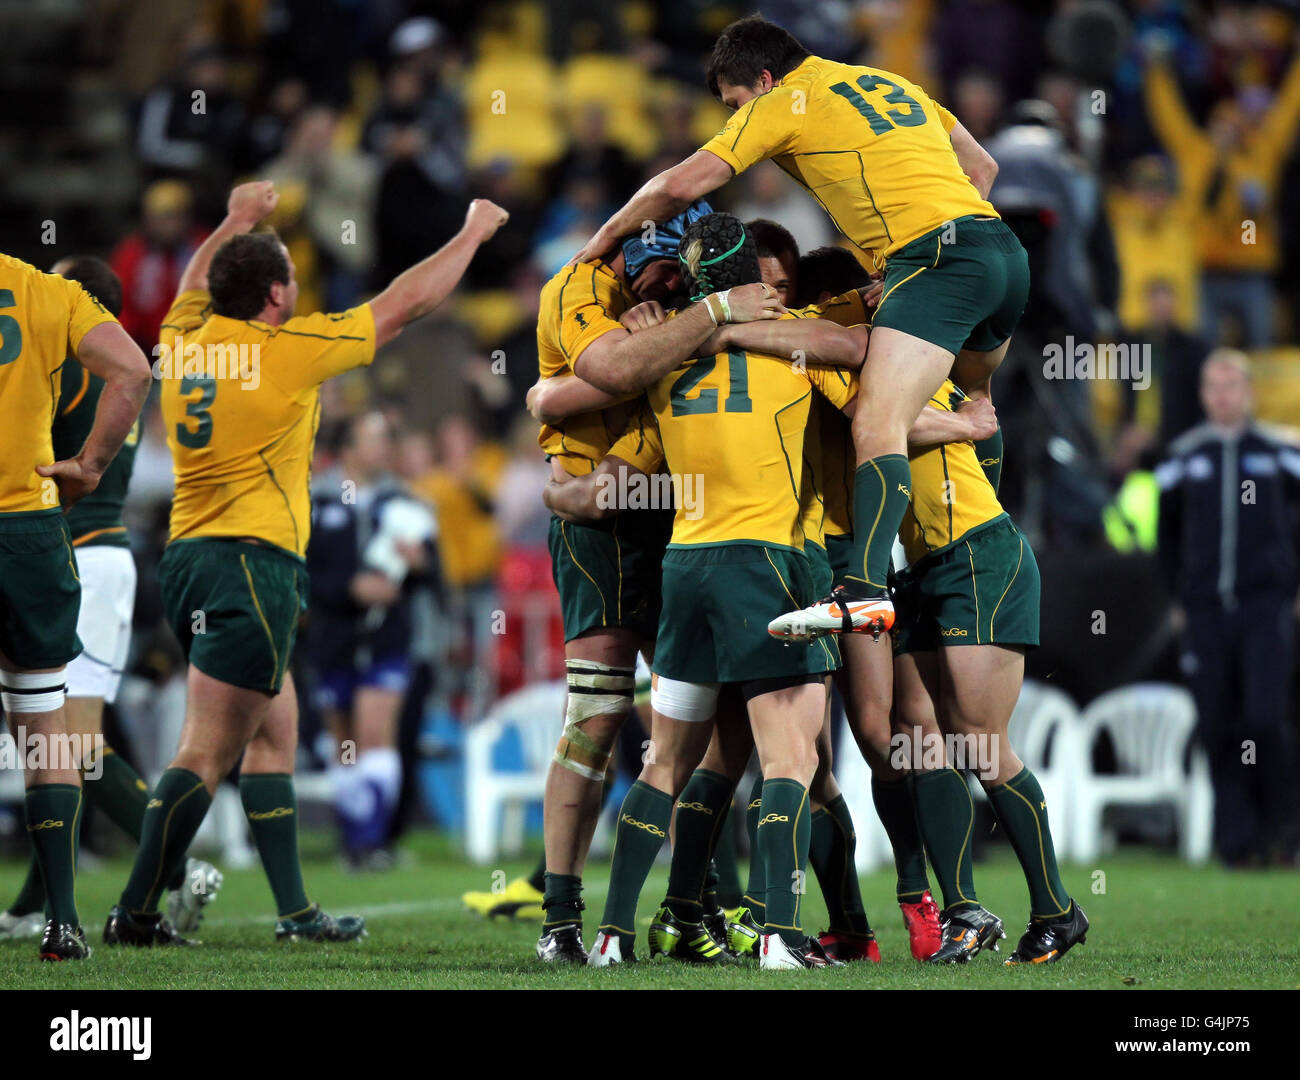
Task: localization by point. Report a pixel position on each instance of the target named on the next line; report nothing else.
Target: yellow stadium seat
(509, 102)
(588, 79)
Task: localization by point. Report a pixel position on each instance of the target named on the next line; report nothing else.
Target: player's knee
(871, 727)
(793, 761)
(26, 692)
(599, 698)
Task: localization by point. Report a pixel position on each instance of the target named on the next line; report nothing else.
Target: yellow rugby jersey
(640, 445)
(951, 496)
(578, 305)
(870, 146)
(241, 434)
(43, 318)
(834, 457)
(737, 421)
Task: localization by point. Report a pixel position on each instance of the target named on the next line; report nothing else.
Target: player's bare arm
(417, 291)
(553, 400)
(660, 198)
(815, 341)
(109, 352)
(975, 161)
(976, 419)
(578, 498)
(247, 206)
(623, 363)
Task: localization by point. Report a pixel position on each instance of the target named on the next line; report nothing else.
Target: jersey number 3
(200, 435)
(897, 96)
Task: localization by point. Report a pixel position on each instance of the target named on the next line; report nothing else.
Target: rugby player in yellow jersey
(108, 583)
(241, 380)
(903, 180)
(44, 319)
(607, 575)
(968, 611)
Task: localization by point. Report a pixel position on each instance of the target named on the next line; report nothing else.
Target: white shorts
(104, 625)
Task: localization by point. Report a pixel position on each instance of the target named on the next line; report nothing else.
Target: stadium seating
(1149, 726)
(533, 715)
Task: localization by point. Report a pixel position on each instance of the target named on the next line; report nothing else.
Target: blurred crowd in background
(1146, 150)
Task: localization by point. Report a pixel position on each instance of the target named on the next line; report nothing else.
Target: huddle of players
(232, 578)
(729, 405)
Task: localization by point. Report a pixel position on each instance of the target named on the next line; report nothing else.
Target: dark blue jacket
(1229, 515)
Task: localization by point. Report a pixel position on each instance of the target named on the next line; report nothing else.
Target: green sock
(830, 853)
(881, 492)
(897, 813)
(175, 812)
(709, 892)
(946, 815)
(701, 815)
(784, 830)
(54, 824)
(989, 452)
(31, 897)
(1022, 812)
(272, 811)
(537, 879)
(755, 897)
(725, 864)
(561, 900)
(120, 793)
(642, 825)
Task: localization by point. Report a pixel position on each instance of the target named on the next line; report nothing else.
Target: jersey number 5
(897, 96)
(10, 331)
(201, 435)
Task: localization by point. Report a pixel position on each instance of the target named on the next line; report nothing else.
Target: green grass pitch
(1157, 925)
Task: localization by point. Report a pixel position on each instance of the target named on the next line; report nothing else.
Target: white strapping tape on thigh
(692, 703)
(26, 692)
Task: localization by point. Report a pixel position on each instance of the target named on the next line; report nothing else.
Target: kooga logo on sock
(77, 1032)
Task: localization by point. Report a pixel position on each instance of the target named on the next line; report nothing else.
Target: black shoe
(1047, 940)
(691, 943)
(144, 931)
(63, 941)
(715, 922)
(965, 933)
(563, 945)
(316, 925)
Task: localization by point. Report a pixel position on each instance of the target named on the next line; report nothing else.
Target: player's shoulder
(582, 279)
(16, 273)
(320, 325)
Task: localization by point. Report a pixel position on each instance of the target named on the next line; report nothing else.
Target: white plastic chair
(1149, 725)
(1044, 730)
(536, 713)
